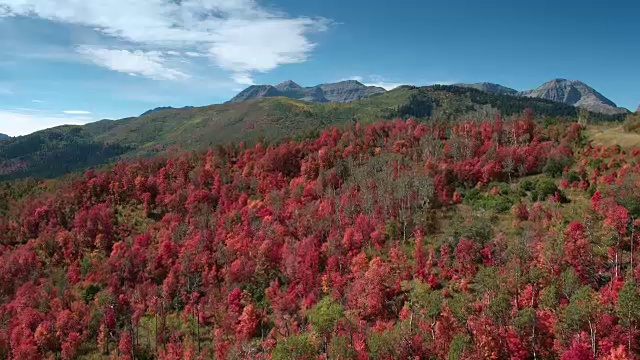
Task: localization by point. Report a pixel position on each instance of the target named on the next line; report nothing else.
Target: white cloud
(375, 80)
(22, 122)
(246, 46)
(379, 81)
(243, 79)
(356, 78)
(150, 64)
(385, 85)
(240, 36)
(37, 101)
(443, 82)
(76, 112)
(29, 110)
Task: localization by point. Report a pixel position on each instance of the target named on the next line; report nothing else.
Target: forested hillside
(488, 239)
(57, 151)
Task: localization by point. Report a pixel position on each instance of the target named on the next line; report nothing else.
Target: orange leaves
(247, 323)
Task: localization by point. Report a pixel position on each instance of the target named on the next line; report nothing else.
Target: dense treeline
(472, 240)
(54, 152)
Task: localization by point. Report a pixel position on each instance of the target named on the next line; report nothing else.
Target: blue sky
(72, 61)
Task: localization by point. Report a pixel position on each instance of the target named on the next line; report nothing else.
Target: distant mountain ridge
(343, 91)
(491, 87)
(162, 108)
(4, 136)
(570, 92)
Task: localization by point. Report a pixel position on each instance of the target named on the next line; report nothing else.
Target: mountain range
(63, 149)
(343, 91)
(571, 92)
(3, 136)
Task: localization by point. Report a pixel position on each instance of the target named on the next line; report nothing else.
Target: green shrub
(595, 163)
(477, 227)
(325, 315)
(459, 344)
(542, 189)
(555, 166)
(340, 348)
(383, 345)
(501, 202)
(572, 176)
(295, 347)
(527, 185)
(90, 292)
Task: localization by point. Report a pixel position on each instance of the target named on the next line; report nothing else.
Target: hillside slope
(57, 151)
(394, 240)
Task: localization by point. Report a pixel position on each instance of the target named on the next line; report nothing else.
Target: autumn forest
(495, 239)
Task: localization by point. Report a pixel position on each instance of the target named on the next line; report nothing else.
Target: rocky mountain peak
(354, 83)
(574, 92)
(288, 85)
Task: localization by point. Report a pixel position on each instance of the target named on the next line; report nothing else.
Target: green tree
(582, 313)
(570, 282)
(340, 348)
(383, 345)
(425, 304)
(525, 323)
(555, 165)
(549, 297)
(499, 308)
(324, 316)
(297, 347)
(628, 308)
(459, 344)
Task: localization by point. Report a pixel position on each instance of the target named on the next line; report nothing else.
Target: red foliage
(577, 248)
(225, 253)
(578, 351)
